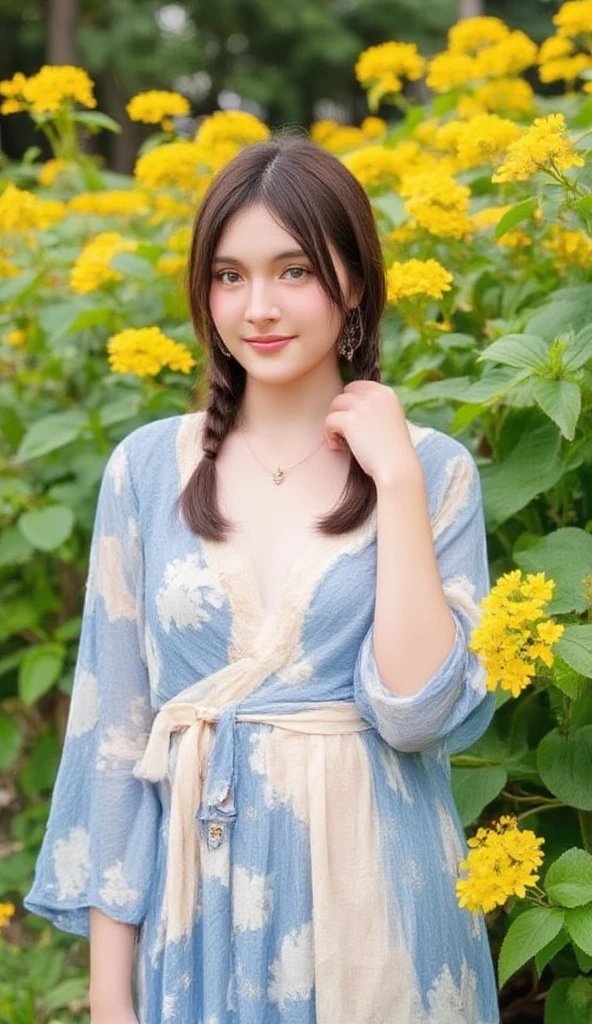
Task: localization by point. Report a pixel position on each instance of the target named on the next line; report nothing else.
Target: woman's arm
(112, 947)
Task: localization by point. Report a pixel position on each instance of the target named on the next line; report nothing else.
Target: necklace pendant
(277, 475)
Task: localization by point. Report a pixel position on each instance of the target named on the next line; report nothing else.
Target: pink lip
(269, 343)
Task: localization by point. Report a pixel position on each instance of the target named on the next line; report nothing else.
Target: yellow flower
(49, 171)
(6, 912)
(179, 240)
(403, 235)
(154, 106)
(176, 163)
(167, 209)
(507, 639)
(92, 270)
(555, 47)
(500, 96)
(417, 278)
(21, 211)
(472, 34)
(502, 861)
(15, 338)
(374, 166)
(426, 131)
(565, 68)
(108, 203)
(374, 127)
(542, 146)
(382, 68)
(450, 71)
(145, 351)
(171, 263)
(337, 138)
(570, 248)
(508, 57)
(438, 203)
(7, 269)
(489, 216)
(477, 141)
(231, 126)
(574, 18)
(55, 85)
(11, 107)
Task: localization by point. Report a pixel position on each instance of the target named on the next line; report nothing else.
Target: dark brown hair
(315, 198)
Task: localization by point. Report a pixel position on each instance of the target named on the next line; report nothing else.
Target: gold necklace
(278, 473)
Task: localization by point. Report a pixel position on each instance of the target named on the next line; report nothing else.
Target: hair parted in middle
(316, 199)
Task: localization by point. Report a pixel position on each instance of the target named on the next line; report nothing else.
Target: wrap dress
(242, 786)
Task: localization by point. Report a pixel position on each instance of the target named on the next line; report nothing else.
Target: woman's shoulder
(157, 446)
(441, 455)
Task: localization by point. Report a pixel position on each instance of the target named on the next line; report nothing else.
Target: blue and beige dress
(242, 786)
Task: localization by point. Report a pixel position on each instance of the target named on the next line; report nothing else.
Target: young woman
(253, 807)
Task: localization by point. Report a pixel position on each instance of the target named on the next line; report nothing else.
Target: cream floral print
(243, 787)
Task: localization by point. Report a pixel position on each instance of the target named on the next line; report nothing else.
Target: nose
(261, 305)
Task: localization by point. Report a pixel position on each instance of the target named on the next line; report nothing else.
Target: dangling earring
(217, 340)
(352, 334)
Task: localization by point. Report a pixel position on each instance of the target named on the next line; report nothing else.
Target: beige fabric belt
(203, 773)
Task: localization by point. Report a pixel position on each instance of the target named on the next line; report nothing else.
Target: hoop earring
(353, 332)
(217, 340)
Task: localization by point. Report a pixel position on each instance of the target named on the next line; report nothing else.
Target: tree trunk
(471, 9)
(62, 25)
(124, 146)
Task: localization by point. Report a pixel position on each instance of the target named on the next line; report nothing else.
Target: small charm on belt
(277, 475)
(215, 834)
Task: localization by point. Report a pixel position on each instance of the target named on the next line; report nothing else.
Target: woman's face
(264, 285)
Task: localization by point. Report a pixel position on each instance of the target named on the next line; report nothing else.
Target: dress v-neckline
(234, 570)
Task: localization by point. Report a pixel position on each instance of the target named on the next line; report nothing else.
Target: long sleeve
(454, 705)
(100, 842)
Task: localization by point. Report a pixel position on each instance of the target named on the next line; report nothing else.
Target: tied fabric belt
(203, 773)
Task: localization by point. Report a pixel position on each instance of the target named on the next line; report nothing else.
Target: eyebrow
(288, 254)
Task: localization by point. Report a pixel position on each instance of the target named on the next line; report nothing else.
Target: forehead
(254, 228)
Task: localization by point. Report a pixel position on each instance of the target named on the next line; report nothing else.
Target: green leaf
(569, 879)
(565, 765)
(561, 400)
(566, 678)
(575, 647)
(546, 954)
(563, 556)
(579, 925)
(568, 309)
(124, 408)
(578, 350)
(95, 120)
(391, 206)
(11, 741)
(68, 991)
(528, 934)
(533, 466)
(132, 265)
(475, 788)
(559, 1004)
(39, 669)
(47, 528)
(49, 433)
(517, 213)
(518, 350)
(584, 961)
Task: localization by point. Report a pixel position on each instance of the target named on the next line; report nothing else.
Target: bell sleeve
(100, 842)
(454, 706)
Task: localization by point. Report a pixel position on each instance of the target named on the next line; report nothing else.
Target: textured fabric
(242, 785)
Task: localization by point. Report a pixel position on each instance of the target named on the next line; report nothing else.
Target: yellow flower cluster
(574, 18)
(480, 48)
(471, 34)
(339, 138)
(15, 338)
(374, 166)
(438, 203)
(382, 68)
(417, 278)
(570, 248)
(500, 96)
(117, 202)
(50, 170)
(231, 126)
(145, 351)
(513, 632)
(156, 105)
(167, 208)
(91, 270)
(565, 69)
(21, 211)
(54, 86)
(174, 262)
(488, 216)
(6, 912)
(541, 146)
(176, 164)
(502, 862)
(477, 141)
